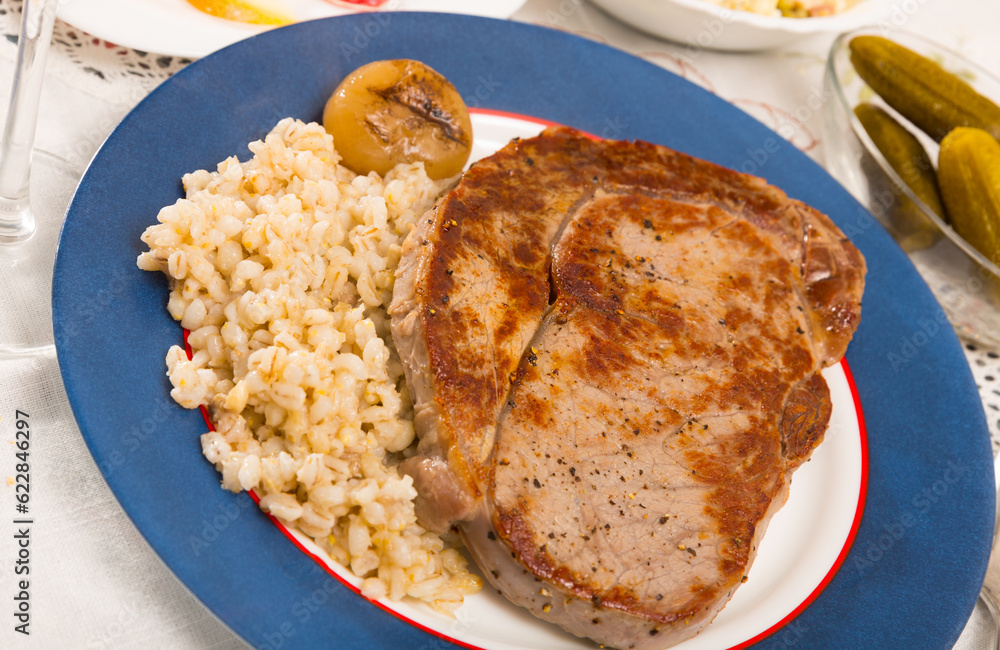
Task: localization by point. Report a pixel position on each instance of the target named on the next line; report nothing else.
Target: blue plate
(914, 571)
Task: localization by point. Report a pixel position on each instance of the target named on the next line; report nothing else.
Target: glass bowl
(963, 280)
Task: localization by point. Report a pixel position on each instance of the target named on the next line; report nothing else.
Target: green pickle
(969, 174)
(908, 158)
(923, 92)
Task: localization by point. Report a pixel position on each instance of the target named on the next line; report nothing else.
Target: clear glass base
(17, 221)
(26, 267)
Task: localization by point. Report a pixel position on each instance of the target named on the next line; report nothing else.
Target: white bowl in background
(704, 25)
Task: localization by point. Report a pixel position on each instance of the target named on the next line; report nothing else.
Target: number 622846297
(22, 478)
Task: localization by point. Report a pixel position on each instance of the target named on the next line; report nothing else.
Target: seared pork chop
(614, 352)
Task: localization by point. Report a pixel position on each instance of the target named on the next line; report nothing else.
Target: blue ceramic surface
(913, 574)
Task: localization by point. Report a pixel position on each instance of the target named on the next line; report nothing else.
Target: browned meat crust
(614, 351)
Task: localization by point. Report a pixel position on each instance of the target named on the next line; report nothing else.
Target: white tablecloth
(94, 581)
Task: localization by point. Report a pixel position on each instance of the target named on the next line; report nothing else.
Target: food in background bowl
(270, 13)
(931, 98)
(788, 8)
(970, 181)
(702, 24)
(964, 280)
(253, 12)
(908, 158)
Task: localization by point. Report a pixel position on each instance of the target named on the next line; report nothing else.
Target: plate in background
(175, 27)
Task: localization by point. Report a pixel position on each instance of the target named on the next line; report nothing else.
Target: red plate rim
(848, 543)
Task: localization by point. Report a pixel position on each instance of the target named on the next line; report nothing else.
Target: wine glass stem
(16, 221)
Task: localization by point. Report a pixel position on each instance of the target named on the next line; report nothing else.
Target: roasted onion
(399, 111)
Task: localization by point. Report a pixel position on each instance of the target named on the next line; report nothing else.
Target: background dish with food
(965, 281)
(175, 27)
(716, 27)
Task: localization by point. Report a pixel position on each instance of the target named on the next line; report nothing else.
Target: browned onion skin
(399, 111)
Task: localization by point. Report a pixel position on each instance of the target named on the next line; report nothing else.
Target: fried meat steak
(614, 351)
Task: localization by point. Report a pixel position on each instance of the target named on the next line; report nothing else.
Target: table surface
(96, 583)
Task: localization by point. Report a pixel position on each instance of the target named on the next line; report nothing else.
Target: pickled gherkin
(910, 161)
(923, 92)
(969, 174)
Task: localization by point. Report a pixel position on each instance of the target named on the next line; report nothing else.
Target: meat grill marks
(614, 456)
